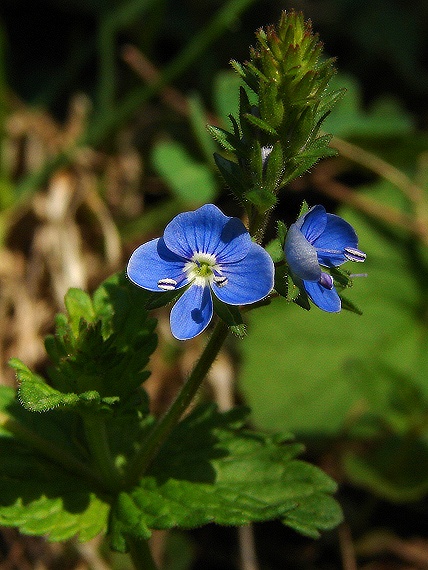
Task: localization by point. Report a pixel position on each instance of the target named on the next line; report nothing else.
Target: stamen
(354, 254)
(265, 150)
(326, 281)
(220, 280)
(167, 284)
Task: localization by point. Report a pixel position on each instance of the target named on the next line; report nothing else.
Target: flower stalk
(166, 424)
(96, 437)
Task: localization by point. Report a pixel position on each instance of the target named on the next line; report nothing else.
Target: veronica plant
(203, 252)
(93, 459)
(320, 239)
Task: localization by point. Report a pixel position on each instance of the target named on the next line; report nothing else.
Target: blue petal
(301, 256)
(207, 230)
(313, 223)
(192, 312)
(330, 245)
(152, 262)
(248, 280)
(326, 299)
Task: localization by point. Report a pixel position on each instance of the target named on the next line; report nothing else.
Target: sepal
(231, 315)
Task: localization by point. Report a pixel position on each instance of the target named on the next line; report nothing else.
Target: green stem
(140, 554)
(165, 425)
(96, 436)
(49, 450)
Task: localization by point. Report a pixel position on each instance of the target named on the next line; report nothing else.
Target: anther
(220, 280)
(354, 254)
(167, 284)
(326, 281)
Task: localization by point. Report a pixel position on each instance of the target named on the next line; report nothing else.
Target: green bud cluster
(284, 101)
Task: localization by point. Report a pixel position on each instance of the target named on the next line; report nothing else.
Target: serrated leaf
(232, 175)
(109, 354)
(260, 124)
(281, 281)
(36, 494)
(210, 470)
(320, 508)
(227, 140)
(191, 181)
(79, 306)
(275, 250)
(37, 396)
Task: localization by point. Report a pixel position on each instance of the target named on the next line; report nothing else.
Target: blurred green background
(103, 107)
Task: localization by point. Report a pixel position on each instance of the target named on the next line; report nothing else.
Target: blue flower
(320, 239)
(203, 252)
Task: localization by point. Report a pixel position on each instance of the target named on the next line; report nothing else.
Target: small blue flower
(320, 239)
(203, 252)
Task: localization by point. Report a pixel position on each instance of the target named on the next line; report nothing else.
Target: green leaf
(281, 280)
(198, 120)
(261, 198)
(231, 315)
(97, 362)
(260, 124)
(232, 175)
(322, 510)
(276, 250)
(36, 494)
(225, 94)
(227, 140)
(384, 118)
(37, 396)
(191, 181)
(406, 481)
(211, 470)
(304, 365)
(79, 306)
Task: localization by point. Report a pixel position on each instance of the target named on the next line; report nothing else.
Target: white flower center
(203, 270)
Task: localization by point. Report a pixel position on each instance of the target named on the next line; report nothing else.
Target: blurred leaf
(191, 181)
(395, 470)
(303, 367)
(210, 470)
(385, 117)
(226, 94)
(179, 551)
(198, 120)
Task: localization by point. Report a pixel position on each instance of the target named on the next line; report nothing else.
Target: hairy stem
(165, 425)
(141, 555)
(96, 437)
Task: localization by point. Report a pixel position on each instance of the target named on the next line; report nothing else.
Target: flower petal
(152, 262)
(207, 230)
(301, 256)
(192, 312)
(330, 245)
(326, 299)
(248, 280)
(312, 224)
